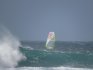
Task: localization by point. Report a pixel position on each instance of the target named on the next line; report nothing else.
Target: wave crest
(9, 49)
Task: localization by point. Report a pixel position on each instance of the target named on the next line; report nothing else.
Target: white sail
(50, 43)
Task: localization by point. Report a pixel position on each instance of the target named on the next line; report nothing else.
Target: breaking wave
(9, 49)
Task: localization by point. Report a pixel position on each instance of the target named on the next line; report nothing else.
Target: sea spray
(9, 49)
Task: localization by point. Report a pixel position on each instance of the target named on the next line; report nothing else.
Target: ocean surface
(65, 56)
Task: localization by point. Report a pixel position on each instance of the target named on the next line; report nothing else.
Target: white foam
(46, 68)
(28, 47)
(9, 49)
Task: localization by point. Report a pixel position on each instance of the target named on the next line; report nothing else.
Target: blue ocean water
(64, 55)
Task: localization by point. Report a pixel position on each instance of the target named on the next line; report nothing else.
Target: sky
(31, 20)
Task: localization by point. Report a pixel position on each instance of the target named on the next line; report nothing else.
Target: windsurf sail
(50, 43)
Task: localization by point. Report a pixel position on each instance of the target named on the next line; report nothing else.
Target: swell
(41, 58)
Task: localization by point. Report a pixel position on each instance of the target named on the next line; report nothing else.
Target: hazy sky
(71, 20)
